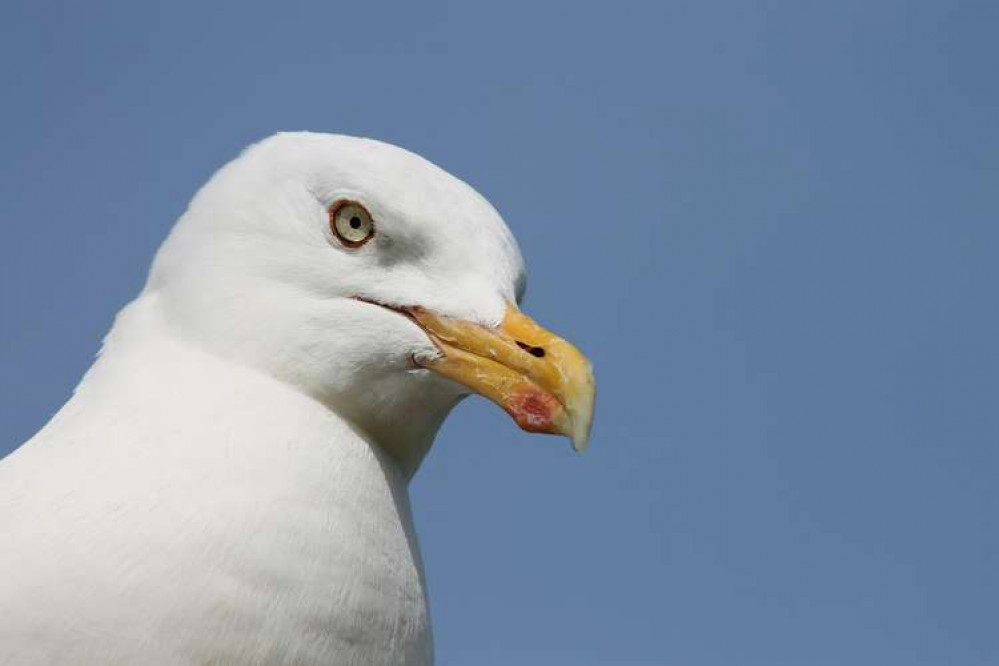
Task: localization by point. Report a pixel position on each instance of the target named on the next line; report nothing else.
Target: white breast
(184, 510)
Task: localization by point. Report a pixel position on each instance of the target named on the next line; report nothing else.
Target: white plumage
(228, 484)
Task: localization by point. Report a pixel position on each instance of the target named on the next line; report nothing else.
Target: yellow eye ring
(351, 223)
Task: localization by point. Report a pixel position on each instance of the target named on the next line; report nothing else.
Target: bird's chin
(432, 383)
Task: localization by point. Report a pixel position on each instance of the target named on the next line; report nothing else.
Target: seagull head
(372, 280)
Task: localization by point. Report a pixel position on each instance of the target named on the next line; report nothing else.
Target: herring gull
(228, 483)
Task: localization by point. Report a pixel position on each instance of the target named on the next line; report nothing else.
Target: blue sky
(772, 225)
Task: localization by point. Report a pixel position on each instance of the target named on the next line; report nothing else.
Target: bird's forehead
(327, 163)
(399, 179)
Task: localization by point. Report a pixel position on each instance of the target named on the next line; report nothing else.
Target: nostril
(539, 352)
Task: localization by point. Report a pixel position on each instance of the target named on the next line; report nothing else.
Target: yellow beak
(541, 380)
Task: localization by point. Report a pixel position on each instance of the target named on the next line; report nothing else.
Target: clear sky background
(774, 226)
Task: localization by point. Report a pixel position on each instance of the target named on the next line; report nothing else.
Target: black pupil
(355, 222)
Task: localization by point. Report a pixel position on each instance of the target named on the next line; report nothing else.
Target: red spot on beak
(534, 410)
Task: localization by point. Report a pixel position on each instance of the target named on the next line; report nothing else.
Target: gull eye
(351, 223)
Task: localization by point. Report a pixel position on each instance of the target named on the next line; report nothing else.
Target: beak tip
(580, 435)
(581, 412)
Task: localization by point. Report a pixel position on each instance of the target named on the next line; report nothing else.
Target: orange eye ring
(351, 223)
